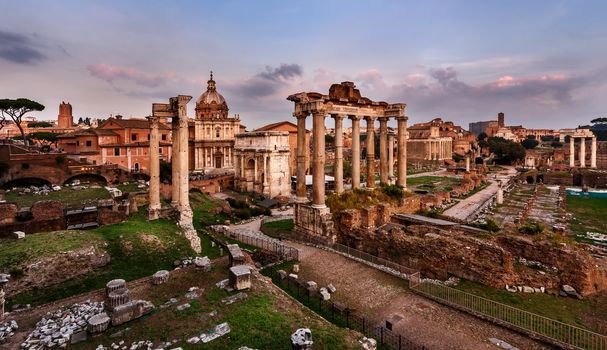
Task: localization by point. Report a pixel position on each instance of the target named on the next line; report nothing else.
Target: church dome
(211, 103)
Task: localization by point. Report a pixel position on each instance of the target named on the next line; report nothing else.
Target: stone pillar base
(314, 224)
(153, 213)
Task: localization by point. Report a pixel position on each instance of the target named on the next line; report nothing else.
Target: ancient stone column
(583, 152)
(593, 153)
(175, 163)
(500, 193)
(301, 158)
(355, 151)
(370, 152)
(391, 158)
(318, 158)
(467, 162)
(2, 301)
(402, 151)
(339, 153)
(154, 190)
(571, 151)
(184, 200)
(383, 148)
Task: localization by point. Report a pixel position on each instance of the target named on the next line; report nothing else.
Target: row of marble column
(386, 144)
(582, 152)
(206, 157)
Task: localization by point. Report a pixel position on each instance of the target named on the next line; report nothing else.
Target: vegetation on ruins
(360, 198)
(278, 228)
(530, 143)
(531, 228)
(490, 225)
(394, 191)
(16, 109)
(39, 124)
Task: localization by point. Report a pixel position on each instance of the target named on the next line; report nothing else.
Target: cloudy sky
(540, 62)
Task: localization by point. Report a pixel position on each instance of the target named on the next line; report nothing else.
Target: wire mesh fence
(285, 252)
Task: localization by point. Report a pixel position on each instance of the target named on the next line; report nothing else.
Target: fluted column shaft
(154, 154)
(402, 151)
(184, 200)
(301, 158)
(583, 152)
(391, 157)
(175, 163)
(593, 153)
(339, 153)
(383, 150)
(370, 152)
(355, 151)
(571, 151)
(318, 157)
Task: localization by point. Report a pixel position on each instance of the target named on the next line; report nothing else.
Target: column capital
(369, 118)
(402, 117)
(383, 119)
(301, 115)
(354, 117)
(338, 116)
(154, 120)
(319, 112)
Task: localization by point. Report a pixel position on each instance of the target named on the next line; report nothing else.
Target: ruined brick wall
(107, 216)
(47, 210)
(8, 212)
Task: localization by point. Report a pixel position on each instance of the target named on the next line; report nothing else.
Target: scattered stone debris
(183, 306)
(160, 277)
(211, 334)
(324, 293)
(130, 311)
(296, 268)
(7, 330)
(193, 293)
(311, 286)
(331, 288)
(368, 343)
(245, 348)
(236, 255)
(502, 344)
(302, 339)
(98, 323)
(234, 298)
(18, 234)
(203, 263)
(56, 328)
(223, 284)
(569, 291)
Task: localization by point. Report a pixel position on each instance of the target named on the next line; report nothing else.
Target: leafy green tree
(506, 151)
(39, 124)
(16, 109)
(530, 143)
(482, 136)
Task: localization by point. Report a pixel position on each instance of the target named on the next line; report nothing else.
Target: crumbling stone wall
(8, 212)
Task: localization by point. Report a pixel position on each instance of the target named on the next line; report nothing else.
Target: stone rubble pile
(7, 330)
(56, 328)
(212, 334)
(138, 345)
(525, 289)
(200, 262)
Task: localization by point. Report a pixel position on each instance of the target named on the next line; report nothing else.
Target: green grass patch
(589, 214)
(279, 228)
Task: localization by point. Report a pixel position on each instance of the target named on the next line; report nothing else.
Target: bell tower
(65, 119)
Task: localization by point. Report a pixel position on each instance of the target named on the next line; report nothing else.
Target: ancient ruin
(343, 101)
(176, 109)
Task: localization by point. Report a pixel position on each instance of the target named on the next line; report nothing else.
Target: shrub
(393, 191)
(531, 228)
(60, 159)
(237, 204)
(243, 214)
(24, 216)
(490, 225)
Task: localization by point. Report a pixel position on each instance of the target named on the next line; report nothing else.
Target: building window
(217, 133)
(117, 151)
(77, 143)
(89, 143)
(133, 137)
(164, 137)
(160, 150)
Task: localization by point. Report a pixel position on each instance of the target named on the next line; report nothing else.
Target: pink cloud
(113, 73)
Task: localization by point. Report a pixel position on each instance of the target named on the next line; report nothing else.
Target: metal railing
(372, 259)
(284, 251)
(553, 331)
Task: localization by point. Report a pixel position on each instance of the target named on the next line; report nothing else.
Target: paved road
(470, 205)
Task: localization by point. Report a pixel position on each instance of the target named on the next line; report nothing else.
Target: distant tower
(500, 120)
(65, 119)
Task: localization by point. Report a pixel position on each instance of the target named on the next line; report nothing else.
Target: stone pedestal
(240, 277)
(236, 255)
(314, 224)
(160, 277)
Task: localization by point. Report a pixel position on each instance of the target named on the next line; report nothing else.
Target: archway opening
(26, 182)
(91, 179)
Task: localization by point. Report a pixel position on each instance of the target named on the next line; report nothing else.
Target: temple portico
(582, 135)
(344, 101)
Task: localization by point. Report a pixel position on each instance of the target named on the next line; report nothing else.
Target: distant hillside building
(292, 129)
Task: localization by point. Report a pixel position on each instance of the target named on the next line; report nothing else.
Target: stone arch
(88, 177)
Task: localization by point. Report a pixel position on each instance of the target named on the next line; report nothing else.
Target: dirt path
(381, 296)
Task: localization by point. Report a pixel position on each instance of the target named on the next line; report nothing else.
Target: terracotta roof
(84, 132)
(271, 127)
(133, 123)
